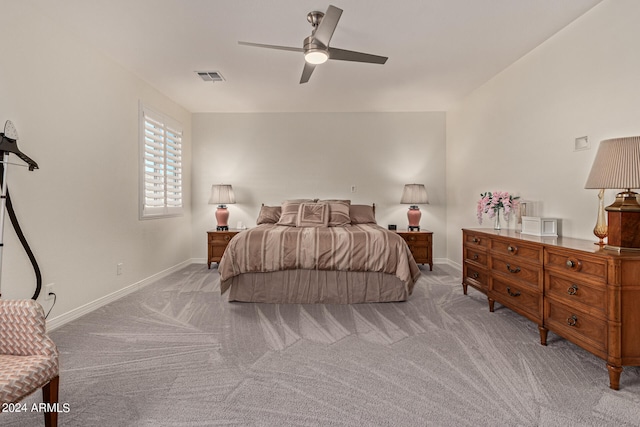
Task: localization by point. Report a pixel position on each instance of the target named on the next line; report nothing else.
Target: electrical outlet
(353, 188)
(119, 268)
(49, 289)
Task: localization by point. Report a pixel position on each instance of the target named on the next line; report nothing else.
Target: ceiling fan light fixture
(316, 56)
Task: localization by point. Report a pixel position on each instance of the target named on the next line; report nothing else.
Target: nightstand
(217, 242)
(421, 245)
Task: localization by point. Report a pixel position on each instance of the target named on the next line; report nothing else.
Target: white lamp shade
(222, 194)
(414, 194)
(617, 164)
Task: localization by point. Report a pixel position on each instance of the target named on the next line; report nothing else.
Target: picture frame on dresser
(579, 291)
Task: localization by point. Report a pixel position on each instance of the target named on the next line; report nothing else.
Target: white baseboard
(65, 318)
(446, 261)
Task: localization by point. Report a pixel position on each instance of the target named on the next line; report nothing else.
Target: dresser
(585, 294)
(217, 242)
(421, 245)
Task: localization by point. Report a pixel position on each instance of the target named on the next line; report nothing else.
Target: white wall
(77, 116)
(272, 157)
(516, 133)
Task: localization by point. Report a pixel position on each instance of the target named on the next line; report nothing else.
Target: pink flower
(490, 203)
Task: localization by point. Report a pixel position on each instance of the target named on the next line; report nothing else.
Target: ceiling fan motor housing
(314, 51)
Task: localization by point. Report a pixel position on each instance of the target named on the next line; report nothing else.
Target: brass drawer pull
(511, 294)
(513, 270)
(572, 321)
(475, 275)
(575, 265)
(512, 249)
(475, 240)
(573, 290)
(475, 256)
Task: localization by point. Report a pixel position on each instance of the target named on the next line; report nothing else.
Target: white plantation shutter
(161, 169)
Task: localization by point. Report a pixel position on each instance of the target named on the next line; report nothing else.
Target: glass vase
(601, 229)
(496, 220)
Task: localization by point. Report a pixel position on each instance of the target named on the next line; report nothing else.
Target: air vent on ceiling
(210, 76)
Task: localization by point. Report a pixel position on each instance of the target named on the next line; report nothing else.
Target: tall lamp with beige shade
(222, 195)
(414, 194)
(617, 166)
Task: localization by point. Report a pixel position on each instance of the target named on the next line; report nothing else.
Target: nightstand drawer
(221, 237)
(415, 238)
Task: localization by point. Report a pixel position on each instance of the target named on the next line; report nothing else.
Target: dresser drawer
(514, 269)
(474, 254)
(579, 264)
(517, 250)
(519, 298)
(475, 276)
(577, 326)
(588, 297)
(473, 239)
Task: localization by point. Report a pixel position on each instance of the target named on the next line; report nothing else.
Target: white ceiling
(439, 50)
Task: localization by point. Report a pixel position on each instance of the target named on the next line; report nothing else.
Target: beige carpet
(176, 353)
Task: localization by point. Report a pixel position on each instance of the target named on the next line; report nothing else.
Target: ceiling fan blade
(306, 72)
(271, 46)
(349, 55)
(327, 26)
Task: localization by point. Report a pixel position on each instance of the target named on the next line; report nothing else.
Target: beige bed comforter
(362, 247)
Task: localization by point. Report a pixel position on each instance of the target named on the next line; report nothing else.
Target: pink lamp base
(414, 216)
(222, 218)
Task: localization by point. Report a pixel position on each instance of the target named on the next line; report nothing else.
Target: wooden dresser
(586, 294)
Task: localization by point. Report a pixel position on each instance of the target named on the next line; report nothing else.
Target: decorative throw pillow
(338, 212)
(313, 215)
(269, 215)
(362, 214)
(289, 214)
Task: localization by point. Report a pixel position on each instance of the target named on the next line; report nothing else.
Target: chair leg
(50, 395)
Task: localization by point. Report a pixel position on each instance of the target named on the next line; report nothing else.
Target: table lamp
(222, 195)
(617, 166)
(414, 194)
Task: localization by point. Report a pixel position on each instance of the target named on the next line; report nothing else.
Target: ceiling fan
(316, 47)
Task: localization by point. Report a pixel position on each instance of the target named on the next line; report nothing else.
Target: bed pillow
(313, 215)
(362, 214)
(269, 215)
(338, 212)
(289, 211)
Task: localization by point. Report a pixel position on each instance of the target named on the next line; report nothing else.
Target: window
(161, 165)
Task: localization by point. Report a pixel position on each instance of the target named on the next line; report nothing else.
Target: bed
(317, 251)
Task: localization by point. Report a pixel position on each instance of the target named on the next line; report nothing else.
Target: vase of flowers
(491, 202)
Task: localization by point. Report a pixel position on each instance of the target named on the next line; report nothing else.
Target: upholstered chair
(28, 357)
